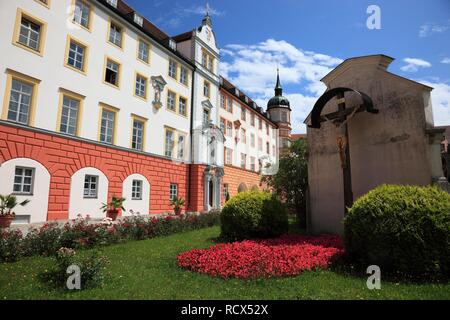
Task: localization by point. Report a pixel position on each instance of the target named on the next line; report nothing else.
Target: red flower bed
(285, 256)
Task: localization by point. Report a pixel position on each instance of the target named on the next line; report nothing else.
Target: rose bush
(285, 256)
(81, 234)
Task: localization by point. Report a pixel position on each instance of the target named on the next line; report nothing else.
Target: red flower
(285, 256)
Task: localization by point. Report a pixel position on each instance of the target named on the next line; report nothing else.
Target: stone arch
(136, 205)
(255, 188)
(37, 209)
(330, 94)
(242, 188)
(78, 204)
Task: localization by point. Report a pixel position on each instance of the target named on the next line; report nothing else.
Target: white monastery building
(97, 102)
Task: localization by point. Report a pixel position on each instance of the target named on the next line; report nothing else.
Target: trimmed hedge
(405, 230)
(253, 214)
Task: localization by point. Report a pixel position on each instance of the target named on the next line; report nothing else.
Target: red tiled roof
(184, 36)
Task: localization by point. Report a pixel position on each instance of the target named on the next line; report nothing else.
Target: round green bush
(253, 214)
(403, 229)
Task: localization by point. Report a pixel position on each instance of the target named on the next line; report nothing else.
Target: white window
(243, 136)
(252, 140)
(252, 119)
(260, 144)
(90, 187)
(211, 64)
(173, 191)
(173, 69)
(204, 59)
(82, 12)
(206, 89)
(138, 19)
(182, 106)
(115, 34)
(243, 114)
(180, 146)
(143, 51)
(136, 190)
(170, 143)
(172, 45)
(229, 129)
(69, 116)
(107, 126)
(252, 164)
(112, 3)
(267, 147)
(138, 135)
(243, 160)
(228, 156)
(223, 102)
(30, 34)
(112, 73)
(23, 180)
(223, 125)
(284, 116)
(184, 76)
(230, 105)
(141, 86)
(20, 102)
(171, 98)
(76, 55)
(206, 117)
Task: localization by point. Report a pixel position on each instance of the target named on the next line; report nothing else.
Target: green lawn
(148, 270)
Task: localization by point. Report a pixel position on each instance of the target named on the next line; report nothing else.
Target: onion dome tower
(279, 111)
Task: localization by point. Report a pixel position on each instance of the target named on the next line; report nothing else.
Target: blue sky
(308, 38)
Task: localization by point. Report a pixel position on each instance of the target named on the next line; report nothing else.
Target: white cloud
(446, 61)
(201, 10)
(253, 69)
(429, 29)
(414, 64)
(441, 102)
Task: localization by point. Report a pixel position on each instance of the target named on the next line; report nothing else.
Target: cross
(207, 8)
(340, 119)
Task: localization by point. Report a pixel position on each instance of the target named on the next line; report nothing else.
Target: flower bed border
(79, 233)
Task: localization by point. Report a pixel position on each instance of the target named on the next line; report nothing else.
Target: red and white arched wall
(61, 164)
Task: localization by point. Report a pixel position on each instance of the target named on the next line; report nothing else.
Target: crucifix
(340, 120)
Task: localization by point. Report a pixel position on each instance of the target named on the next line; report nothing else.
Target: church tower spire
(279, 110)
(278, 88)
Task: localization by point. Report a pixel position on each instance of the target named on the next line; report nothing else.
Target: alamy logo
(374, 20)
(374, 281)
(74, 280)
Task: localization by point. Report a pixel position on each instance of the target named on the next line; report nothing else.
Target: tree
(291, 181)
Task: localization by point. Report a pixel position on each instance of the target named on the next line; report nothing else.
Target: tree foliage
(291, 181)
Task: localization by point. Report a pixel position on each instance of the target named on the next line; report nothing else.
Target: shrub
(79, 234)
(253, 214)
(10, 245)
(91, 268)
(403, 229)
(42, 241)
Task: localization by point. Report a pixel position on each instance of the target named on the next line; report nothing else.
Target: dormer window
(138, 19)
(172, 45)
(112, 3)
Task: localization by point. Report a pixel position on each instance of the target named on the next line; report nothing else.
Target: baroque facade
(98, 101)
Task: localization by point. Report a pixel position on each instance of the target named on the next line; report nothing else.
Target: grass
(148, 270)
